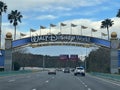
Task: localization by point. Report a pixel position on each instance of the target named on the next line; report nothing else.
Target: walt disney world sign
(54, 38)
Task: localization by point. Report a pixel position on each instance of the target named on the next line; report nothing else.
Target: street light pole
(85, 59)
(43, 63)
(85, 63)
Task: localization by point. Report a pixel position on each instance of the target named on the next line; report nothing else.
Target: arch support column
(114, 53)
(8, 52)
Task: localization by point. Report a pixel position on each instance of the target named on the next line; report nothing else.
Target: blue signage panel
(21, 42)
(60, 38)
(2, 57)
(100, 42)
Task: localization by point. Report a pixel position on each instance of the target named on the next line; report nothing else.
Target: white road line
(85, 85)
(11, 80)
(53, 77)
(47, 81)
(89, 88)
(34, 89)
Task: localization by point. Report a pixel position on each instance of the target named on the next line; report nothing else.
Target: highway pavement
(60, 81)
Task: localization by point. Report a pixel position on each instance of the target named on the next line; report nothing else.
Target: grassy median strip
(115, 77)
(15, 72)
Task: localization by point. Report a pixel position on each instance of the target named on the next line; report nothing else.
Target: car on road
(66, 70)
(80, 71)
(52, 71)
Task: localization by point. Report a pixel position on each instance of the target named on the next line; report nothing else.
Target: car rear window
(81, 68)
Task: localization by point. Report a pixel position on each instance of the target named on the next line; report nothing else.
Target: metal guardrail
(115, 77)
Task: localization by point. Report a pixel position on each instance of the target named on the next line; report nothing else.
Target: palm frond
(11, 21)
(14, 17)
(3, 7)
(106, 23)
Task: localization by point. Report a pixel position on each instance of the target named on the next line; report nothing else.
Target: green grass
(14, 72)
(107, 76)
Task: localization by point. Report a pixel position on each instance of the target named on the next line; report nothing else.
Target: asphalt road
(60, 81)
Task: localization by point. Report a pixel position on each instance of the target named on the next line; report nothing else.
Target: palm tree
(106, 24)
(3, 8)
(118, 14)
(14, 17)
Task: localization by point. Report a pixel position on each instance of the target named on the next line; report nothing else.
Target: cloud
(84, 13)
(48, 17)
(47, 5)
(116, 26)
(5, 24)
(75, 30)
(60, 8)
(5, 29)
(88, 23)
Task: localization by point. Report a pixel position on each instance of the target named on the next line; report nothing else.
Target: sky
(89, 13)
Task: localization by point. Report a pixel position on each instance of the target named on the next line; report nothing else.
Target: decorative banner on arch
(60, 38)
(73, 57)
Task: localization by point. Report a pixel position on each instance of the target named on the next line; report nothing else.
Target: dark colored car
(66, 70)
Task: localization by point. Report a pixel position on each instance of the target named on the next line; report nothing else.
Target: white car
(79, 70)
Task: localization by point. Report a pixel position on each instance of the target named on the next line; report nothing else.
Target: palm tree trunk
(15, 33)
(108, 33)
(0, 28)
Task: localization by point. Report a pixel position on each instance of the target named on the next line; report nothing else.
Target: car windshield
(81, 68)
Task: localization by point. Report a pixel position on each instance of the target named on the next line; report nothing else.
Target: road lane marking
(53, 77)
(85, 85)
(47, 81)
(34, 89)
(11, 80)
(89, 88)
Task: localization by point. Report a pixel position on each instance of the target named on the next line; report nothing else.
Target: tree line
(99, 60)
(23, 59)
